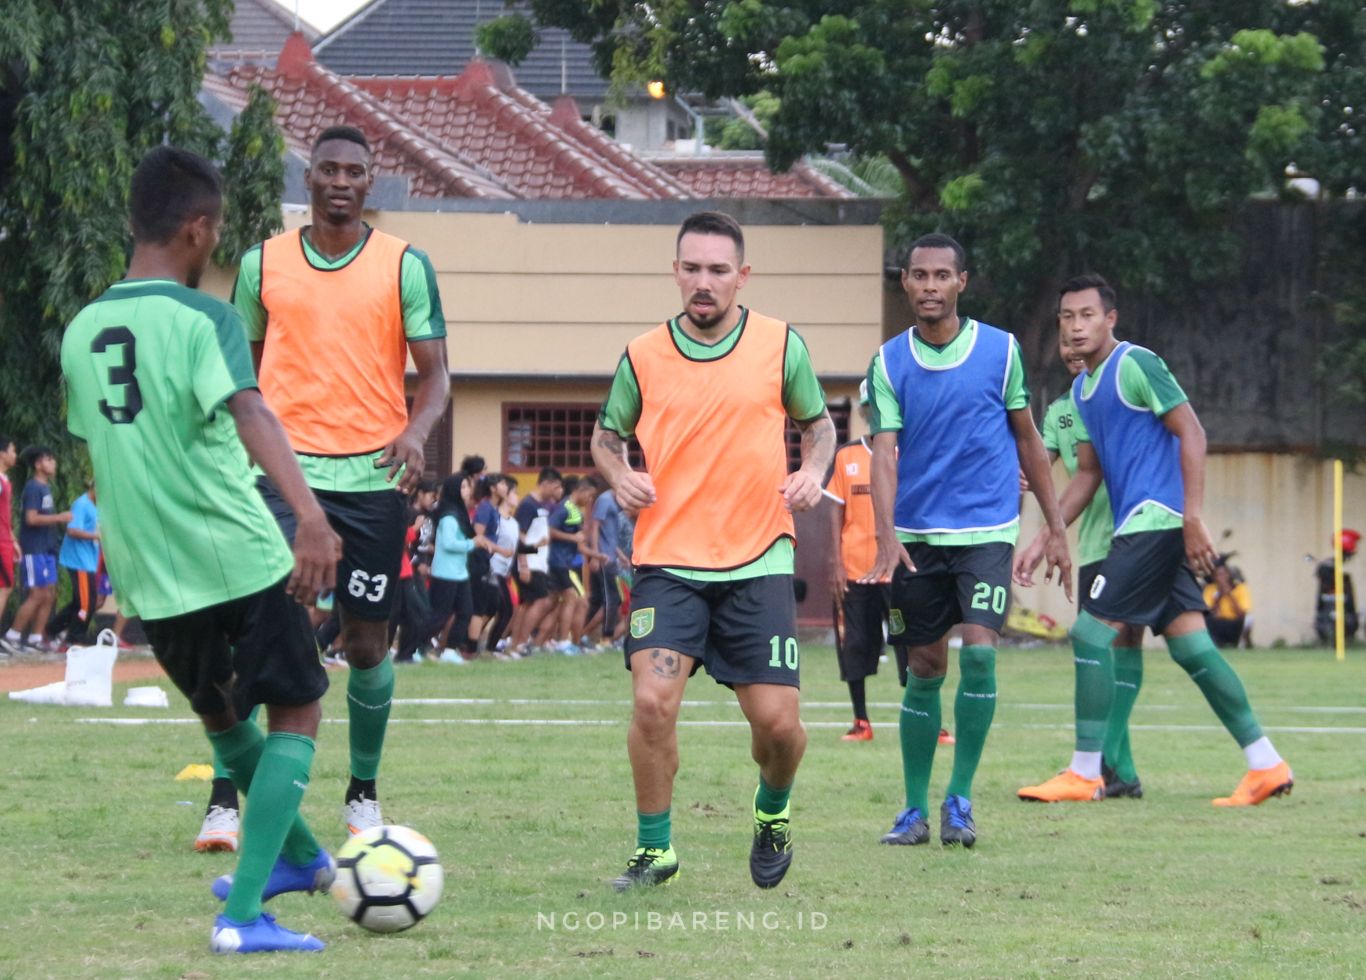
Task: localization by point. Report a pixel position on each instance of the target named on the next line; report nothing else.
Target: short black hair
(32, 454)
(570, 484)
(713, 223)
(6, 440)
(349, 133)
(937, 239)
(473, 465)
(170, 187)
(1089, 280)
(428, 486)
(549, 473)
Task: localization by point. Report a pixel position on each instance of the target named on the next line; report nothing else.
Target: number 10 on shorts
(783, 653)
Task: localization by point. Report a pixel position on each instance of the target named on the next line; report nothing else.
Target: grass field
(525, 788)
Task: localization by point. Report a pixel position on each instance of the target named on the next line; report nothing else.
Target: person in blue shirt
(450, 584)
(38, 544)
(80, 556)
(603, 535)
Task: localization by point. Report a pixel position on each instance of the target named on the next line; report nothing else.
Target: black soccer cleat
(771, 852)
(648, 866)
(1115, 788)
(910, 828)
(956, 825)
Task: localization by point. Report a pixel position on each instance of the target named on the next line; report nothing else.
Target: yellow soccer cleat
(1259, 785)
(1066, 787)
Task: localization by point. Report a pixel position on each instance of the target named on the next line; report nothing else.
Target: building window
(437, 451)
(552, 434)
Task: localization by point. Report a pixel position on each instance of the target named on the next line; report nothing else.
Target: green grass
(531, 821)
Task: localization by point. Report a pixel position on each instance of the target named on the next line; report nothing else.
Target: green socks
(238, 752)
(276, 791)
(369, 695)
(1095, 679)
(1128, 681)
(653, 830)
(770, 801)
(973, 709)
(1200, 658)
(920, 723)
(219, 770)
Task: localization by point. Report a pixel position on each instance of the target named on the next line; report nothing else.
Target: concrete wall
(1277, 509)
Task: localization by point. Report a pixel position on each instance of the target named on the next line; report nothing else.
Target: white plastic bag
(90, 672)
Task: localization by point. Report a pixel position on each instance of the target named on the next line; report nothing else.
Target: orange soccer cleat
(861, 732)
(1259, 785)
(945, 738)
(1067, 786)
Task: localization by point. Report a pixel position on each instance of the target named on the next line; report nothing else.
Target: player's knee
(655, 711)
(977, 660)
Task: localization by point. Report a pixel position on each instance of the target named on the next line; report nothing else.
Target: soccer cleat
(648, 866)
(1259, 785)
(771, 853)
(361, 814)
(1116, 788)
(260, 935)
(219, 830)
(315, 876)
(945, 738)
(861, 732)
(956, 825)
(910, 828)
(1067, 786)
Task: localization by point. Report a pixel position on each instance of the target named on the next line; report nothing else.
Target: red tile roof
(745, 174)
(479, 135)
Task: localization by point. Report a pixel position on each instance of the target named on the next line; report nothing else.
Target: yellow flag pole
(1339, 597)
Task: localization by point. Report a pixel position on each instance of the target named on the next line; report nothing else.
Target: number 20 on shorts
(985, 597)
(783, 653)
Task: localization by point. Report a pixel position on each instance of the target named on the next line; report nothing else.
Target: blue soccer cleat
(955, 822)
(910, 828)
(260, 935)
(316, 876)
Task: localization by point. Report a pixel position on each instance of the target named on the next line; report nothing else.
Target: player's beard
(707, 322)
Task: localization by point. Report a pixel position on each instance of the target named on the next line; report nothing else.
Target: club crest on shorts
(642, 622)
(1098, 586)
(895, 624)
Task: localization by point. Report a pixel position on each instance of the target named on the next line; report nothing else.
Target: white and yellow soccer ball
(388, 878)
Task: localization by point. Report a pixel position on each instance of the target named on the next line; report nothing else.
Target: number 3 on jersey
(122, 397)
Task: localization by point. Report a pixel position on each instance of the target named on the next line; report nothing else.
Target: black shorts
(1086, 576)
(254, 650)
(372, 526)
(952, 584)
(1144, 581)
(565, 579)
(485, 593)
(537, 588)
(859, 639)
(743, 632)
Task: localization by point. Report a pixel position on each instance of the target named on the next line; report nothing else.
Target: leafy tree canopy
(1050, 136)
(85, 89)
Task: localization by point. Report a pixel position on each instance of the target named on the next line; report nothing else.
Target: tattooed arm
(802, 489)
(634, 488)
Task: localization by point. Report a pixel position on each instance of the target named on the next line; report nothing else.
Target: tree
(1050, 136)
(85, 89)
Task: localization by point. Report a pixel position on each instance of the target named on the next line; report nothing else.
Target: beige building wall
(1278, 510)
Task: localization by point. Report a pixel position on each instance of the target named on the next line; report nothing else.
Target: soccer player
(1093, 544)
(332, 311)
(708, 394)
(1137, 431)
(860, 608)
(951, 431)
(161, 388)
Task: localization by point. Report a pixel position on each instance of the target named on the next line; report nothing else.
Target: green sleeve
(1145, 381)
(803, 397)
(423, 318)
(221, 360)
(1017, 384)
(246, 295)
(1079, 427)
(621, 411)
(886, 409)
(1050, 423)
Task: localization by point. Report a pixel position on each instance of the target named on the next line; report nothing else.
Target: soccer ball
(388, 878)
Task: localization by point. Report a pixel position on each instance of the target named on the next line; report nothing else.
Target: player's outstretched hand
(890, 554)
(635, 491)
(317, 549)
(1199, 546)
(800, 491)
(1027, 561)
(404, 455)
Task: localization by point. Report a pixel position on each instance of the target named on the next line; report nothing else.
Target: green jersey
(803, 398)
(1145, 381)
(1097, 523)
(423, 319)
(886, 414)
(148, 367)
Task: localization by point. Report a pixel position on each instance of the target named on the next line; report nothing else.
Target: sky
(323, 14)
